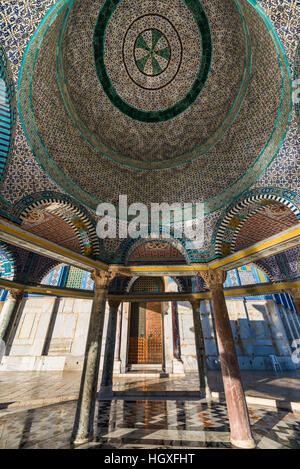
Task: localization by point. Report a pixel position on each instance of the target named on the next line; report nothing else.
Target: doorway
(146, 333)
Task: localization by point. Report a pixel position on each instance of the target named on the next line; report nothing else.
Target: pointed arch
(237, 214)
(8, 266)
(67, 209)
(133, 245)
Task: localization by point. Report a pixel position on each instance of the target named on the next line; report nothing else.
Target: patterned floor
(146, 424)
(163, 423)
(189, 424)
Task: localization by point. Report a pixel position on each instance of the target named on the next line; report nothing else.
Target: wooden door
(145, 341)
(154, 333)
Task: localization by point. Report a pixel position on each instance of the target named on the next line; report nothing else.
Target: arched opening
(7, 263)
(146, 325)
(157, 251)
(246, 275)
(47, 214)
(63, 275)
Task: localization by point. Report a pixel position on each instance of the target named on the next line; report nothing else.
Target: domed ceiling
(165, 101)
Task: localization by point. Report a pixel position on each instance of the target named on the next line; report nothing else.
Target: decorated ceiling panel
(269, 221)
(211, 150)
(156, 251)
(284, 170)
(126, 150)
(8, 111)
(283, 266)
(52, 227)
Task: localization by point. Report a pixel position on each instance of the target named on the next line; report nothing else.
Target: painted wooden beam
(280, 242)
(231, 292)
(17, 236)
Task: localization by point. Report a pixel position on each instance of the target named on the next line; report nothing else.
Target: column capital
(294, 292)
(16, 294)
(195, 302)
(114, 304)
(214, 278)
(102, 278)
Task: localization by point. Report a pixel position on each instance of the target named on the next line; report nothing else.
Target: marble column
(124, 338)
(117, 360)
(109, 355)
(168, 337)
(9, 311)
(84, 420)
(240, 431)
(200, 349)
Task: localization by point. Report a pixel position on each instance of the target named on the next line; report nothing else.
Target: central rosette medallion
(152, 52)
(151, 61)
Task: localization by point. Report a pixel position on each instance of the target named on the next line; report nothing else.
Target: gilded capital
(294, 292)
(102, 279)
(195, 302)
(214, 278)
(16, 294)
(114, 304)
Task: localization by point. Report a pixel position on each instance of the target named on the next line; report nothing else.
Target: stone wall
(50, 334)
(258, 332)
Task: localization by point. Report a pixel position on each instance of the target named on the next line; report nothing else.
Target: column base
(2, 349)
(80, 441)
(243, 444)
(178, 367)
(117, 366)
(206, 392)
(123, 367)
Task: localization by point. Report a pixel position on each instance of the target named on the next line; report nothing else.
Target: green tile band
(155, 165)
(47, 161)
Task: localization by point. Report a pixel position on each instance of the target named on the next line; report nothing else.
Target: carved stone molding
(16, 294)
(102, 279)
(214, 278)
(295, 293)
(195, 303)
(114, 305)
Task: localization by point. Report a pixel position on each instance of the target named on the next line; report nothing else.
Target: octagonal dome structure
(165, 101)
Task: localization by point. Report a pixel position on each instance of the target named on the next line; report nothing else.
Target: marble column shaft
(9, 311)
(109, 355)
(200, 348)
(240, 431)
(83, 428)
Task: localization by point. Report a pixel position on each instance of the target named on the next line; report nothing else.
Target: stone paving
(172, 418)
(146, 424)
(33, 385)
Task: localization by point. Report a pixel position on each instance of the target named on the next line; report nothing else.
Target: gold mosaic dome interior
(164, 101)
